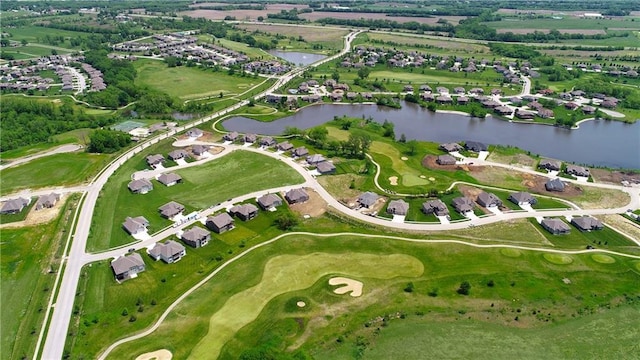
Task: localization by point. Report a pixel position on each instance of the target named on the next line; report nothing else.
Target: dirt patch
(350, 285)
(162, 354)
(37, 217)
(393, 180)
(313, 207)
(614, 177)
(429, 162)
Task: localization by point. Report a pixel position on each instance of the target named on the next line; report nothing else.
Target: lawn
(203, 186)
(26, 257)
(34, 34)
(54, 170)
(566, 23)
(576, 239)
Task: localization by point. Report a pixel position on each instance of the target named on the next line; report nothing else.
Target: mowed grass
(32, 51)
(34, 34)
(203, 186)
(576, 239)
(190, 82)
(54, 170)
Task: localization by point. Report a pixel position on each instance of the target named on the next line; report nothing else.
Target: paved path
(57, 150)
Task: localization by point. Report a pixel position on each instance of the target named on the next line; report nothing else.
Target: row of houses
(15, 206)
(582, 223)
(556, 165)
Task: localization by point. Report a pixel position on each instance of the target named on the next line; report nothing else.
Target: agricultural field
(36, 34)
(316, 15)
(435, 45)
(330, 38)
(589, 26)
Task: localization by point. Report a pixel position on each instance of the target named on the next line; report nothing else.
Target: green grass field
(32, 51)
(576, 239)
(566, 23)
(35, 34)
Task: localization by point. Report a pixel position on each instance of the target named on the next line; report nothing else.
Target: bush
(409, 288)
(464, 288)
(490, 283)
(133, 318)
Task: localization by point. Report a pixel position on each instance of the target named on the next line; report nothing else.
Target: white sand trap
(393, 180)
(432, 179)
(162, 354)
(301, 304)
(404, 158)
(422, 177)
(350, 285)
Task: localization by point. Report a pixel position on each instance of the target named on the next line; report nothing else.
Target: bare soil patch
(614, 177)
(314, 207)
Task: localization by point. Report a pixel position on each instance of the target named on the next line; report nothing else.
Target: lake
(297, 58)
(600, 143)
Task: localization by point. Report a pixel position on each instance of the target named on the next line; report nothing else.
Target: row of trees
(108, 141)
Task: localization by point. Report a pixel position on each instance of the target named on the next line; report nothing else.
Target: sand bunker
(301, 304)
(404, 158)
(350, 285)
(162, 354)
(432, 179)
(393, 180)
(422, 177)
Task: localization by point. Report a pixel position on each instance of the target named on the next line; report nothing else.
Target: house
(194, 133)
(444, 99)
(398, 207)
(14, 206)
(450, 147)
(170, 251)
(199, 150)
(487, 199)
(475, 146)
(315, 159)
(555, 226)
(155, 160)
(169, 179)
(545, 113)
(171, 209)
(368, 199)
(250, 138)
(244, 212)
(267, 141)
(325, 168)
(196, 237)
(220, 223)
(427, 96)
(550, 165)
(47, 201)
(554, 185)
(295, 196)
(503, 110)
(462, 100)
(301, 151)
(462, 204)
(177, 155)
(436, 207)
(586, 223)
(577, 170)
(127, 266)
(407, 88)
(285, 146)
(522, 198)
(588, 109)
(459, 90)
(269, 201)
(232, 136)
(135, 225)
(446, 160)
(524, 115)
(571, 105)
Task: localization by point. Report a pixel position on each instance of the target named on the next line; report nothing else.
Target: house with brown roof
(196, 237)
(199, 150)
(462, 100)
(398, 207)
(171, 210)
(325, 168)
(427, 96)
(170, 252)
(444, 99)
(588, 109)
(545, 113)
(577, 170)
(220, 223)
(178, 154)
(232, 136)
(586, 223)
(487, 199)
(295, 196)
(269, 201)
(450, 147)
(267, 141)
(244, 212)
(47, 201)
(169, 179)
(436, 207)
(136, 225)
(250, 138)
(503, 110)
(285, 146)
(154, 160)
(522, 198)
(14, 206)
(446, 160)
(315, 159)
(550, 165)
(127, 266)
(524, 115)
(463, 204)
(555, 226)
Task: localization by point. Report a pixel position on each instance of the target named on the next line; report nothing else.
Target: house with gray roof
(220, 223)
(140, 186)
(398, 207)
(267, 141)
(171, 210)
(269, 201)
(436, 207)
(487, 199)
(169, 179)
(555, 226)
(250, 138)
(194, 133)
(136, 225)
(196, 237)
(14, 206)
(315, 159)
(127, 266)
(550, 165)
(301, 151)
(244, 212)
(232, 136)
(475, 146)
(462, 204)
(154, 160)
(368, 199)
(446, 160)
(577, 170)
(199, 150)
(170, 252)
(450, 147)
(586, 223)
(325, 168)
(522, 198)
(554, 185)
(284, 146)
(178, 154)
(294, 196)
(47, 201)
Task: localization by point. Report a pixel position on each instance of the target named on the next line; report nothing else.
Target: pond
(297, 58)
(600, 143)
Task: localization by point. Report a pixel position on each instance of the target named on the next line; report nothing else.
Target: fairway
(409, 175)
(289, 273)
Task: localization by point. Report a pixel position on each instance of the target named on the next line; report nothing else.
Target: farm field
(329, 37)
(35, 34)
(587, 25)
(31, 51)
(316, 15)
(447, 45)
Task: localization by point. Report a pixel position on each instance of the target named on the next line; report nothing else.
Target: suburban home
(170, 251)
(325, 168)
(522, 198)
(294, 196)
(475, 146)
(571, 105)
(442, 90)
(554, 185)
(232, 136)
(368, 199)
(269, 201)
(267, 141)
(436, 207)
(550, 165)
(503, 110)
(444, 99)
(178, 154)
(169, 179)
(250, 138)
(199, 150)
(555, 226)
(14, 206)
(450, 147)
(462, 100)
(135, 225)
(127, 266)
(194, 133)
(459, 90)
(171, 209)
(427, 96)
(588, 109)
(220, 223)
(244, 212)
(301, 151)
(398, 207)
(154, 160)
(587, 223)
(315, 159)
(524, 115)
(285, 146)
(487, 199)
(577, 170)
(462, 204)
(545, 113)
(407, 88)
(47, 201)
(196, 237)
(446, 160)
(140, 186)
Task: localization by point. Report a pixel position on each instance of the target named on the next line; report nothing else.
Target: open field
(446, 44)
(31, 51)
(330, 37)
(566, 23)
(35, 34)
(29, 258)
(241, 47)
(241, 15)
(562, 31)
(313, 16)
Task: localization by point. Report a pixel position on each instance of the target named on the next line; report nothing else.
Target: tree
(409, 287)
(261, 18)
(364, 72)
(490, 283)
(335, 76)
(412, 146)
(318, 134)
(464, 288)
(388, 129)
(108, 141)
(24, 42)
(286, 221)
(403, 138)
